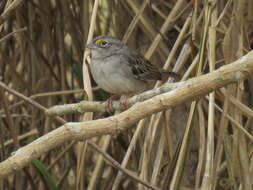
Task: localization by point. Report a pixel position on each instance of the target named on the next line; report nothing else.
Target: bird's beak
(90, 46)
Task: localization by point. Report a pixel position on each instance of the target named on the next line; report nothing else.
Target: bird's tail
(167, 74)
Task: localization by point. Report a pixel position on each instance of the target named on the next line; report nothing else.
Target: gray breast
(115, 76)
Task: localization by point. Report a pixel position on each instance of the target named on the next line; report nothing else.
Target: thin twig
(118, 166)
(6, 37)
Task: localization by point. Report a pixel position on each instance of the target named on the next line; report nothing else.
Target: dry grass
(196, 145)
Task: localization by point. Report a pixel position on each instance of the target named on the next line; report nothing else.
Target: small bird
(120, 70)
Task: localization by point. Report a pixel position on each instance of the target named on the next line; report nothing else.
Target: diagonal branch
(190, 90)
(96, 106)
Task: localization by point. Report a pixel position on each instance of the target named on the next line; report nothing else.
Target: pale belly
(120, 81)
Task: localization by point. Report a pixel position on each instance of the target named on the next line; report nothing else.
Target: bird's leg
(108, 103)
(124, 100)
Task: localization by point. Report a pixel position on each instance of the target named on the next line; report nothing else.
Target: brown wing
(143, 69)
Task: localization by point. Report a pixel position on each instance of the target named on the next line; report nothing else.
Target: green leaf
(46, 175)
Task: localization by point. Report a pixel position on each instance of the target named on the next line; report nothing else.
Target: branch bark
(191, 89)
(96, 106)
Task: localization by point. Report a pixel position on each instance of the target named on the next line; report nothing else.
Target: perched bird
(120, 70)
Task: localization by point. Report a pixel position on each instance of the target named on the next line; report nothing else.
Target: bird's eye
(103, 43)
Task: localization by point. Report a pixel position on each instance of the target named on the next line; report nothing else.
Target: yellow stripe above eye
(99, 41)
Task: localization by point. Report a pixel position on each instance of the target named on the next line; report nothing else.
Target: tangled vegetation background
(42, 45)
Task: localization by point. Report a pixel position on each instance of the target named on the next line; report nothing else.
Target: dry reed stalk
(41, 50)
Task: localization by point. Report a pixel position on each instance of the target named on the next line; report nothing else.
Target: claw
(124, 101)
(108, 104)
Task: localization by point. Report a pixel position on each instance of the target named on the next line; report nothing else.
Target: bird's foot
(108, 104)
(124, 100)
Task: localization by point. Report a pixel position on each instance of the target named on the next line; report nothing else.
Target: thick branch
(189, 90)
(96, 106)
